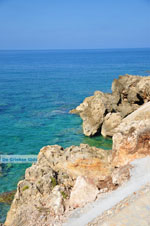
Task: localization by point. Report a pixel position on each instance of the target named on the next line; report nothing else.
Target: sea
(39, 88)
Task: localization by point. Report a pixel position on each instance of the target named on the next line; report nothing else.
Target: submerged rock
(7, 197)
(1, 170)
(97, 112)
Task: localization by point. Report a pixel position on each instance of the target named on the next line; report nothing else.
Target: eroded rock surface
(61, 179)
(44, 194)
(97, 112)
(132, 141)
(132, 137)
(111, 122)
(84, 191)
(92, 112)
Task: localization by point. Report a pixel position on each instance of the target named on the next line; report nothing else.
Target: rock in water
(128, 94)
(92, 113)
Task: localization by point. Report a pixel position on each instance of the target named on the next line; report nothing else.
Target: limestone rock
(92, 115)
(84, 191)
(88, 161)
(121, 175)
(141, 113)
(43, 195)
(62, 178)
(132, 141)
(56, 201)
(129, 92)
(74, 176)
(111, 122)
(92, 112)
(129, 135)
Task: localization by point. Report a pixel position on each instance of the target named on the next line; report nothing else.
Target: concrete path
(132, 211)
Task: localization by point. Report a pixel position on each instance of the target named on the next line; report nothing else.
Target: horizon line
(75, 49)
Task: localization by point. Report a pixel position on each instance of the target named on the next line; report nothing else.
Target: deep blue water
(37, 90)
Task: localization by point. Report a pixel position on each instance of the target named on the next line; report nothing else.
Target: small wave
(57, 112)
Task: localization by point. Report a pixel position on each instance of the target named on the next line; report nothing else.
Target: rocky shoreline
(104, 112)
(66, 179)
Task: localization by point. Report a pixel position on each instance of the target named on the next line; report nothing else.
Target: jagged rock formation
(98, 112)
(62, 179)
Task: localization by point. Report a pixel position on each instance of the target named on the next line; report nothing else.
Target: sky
(74, 24)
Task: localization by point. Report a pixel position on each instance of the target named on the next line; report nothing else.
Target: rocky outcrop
(131, 142)
(111, 122)
(98, 112)
(62, 179)
(92, 112)
(132, 137)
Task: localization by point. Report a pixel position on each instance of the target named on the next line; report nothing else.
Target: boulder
(111, 122)
(84, 191)
(92, 112)
(121, 174)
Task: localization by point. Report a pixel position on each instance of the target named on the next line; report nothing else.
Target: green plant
(64, 195)
(53, 181)
(25, 188)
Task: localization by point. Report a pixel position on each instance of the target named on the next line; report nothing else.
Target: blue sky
(74, 24)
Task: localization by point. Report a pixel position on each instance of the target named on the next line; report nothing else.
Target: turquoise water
(37, 90)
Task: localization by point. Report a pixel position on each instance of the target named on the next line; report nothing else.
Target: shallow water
(37, 90)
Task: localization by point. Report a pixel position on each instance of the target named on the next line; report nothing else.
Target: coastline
(71, 178)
